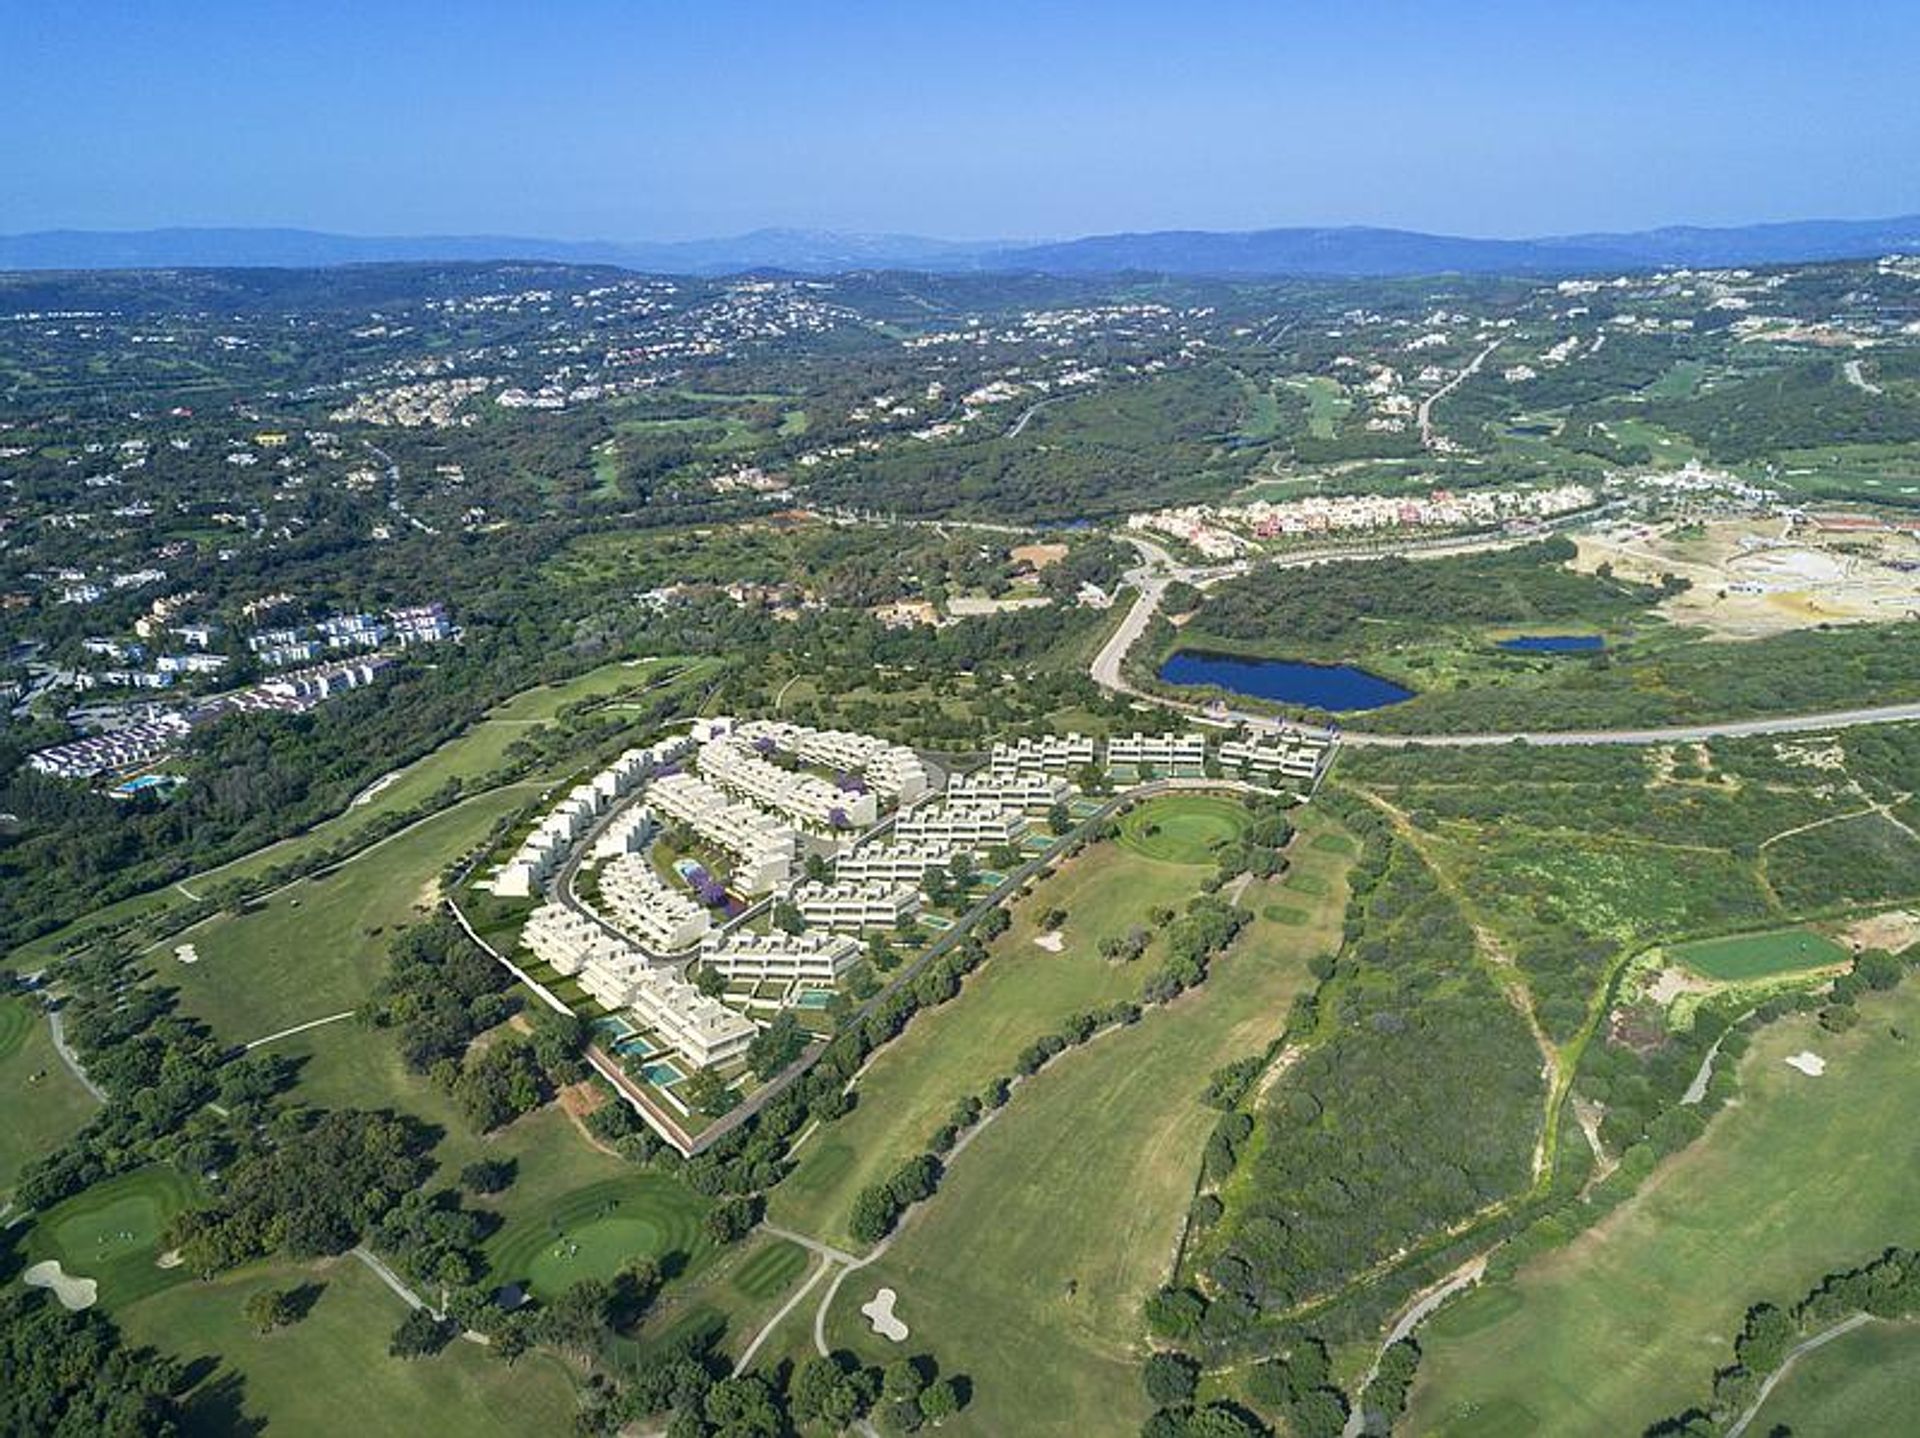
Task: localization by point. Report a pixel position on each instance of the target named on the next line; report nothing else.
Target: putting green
(594, 1231)
(1759, 956)
(112, 1231)
(1183, 828)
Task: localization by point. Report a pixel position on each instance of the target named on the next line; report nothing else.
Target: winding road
(1158, 569)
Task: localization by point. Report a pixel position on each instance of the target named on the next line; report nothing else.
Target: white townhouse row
(891, 863)
(871, 904)
(894, 771)
(961, 826)
(805, 798)
(1291, 756)
(121, 749)
(657, 916)
(547, 847)
(701, 1029)
(763, 847)
(1008, 791)
(1163, 751)
(810, 958)
(1062, 754)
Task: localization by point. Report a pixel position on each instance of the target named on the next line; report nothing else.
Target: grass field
(1626, 1325)
(591, 1232)
(330, 1373)
(316, 948)
(1862, 1382)
(1044, 1314)
(1183, 828)
(1022, 992)
(111, 1233)
(729, 1299)
(41, 1101)
(1759, 956)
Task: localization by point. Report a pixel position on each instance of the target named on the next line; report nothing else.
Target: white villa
(961, 826)
(1008, 791)
(1289, 755)
(1062, 754)
(1164, 752)
(891, 863)
(762, 845)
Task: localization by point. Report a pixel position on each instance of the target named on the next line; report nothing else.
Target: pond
(1337, 688)
(1553, 644)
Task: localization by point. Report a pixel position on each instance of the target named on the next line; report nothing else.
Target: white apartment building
(700, 1029)
(805, 798)
(1008, 791)
(874, 904)
(961, 826)
(655, 915)
(1165, 752)
(891, 863)
(763, 847)
(810, 958)
(627, 834)
(1290, 756)
(1063, 754)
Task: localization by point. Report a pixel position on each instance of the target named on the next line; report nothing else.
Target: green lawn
(1183, 828)
(43, 1103)
(111, 1233)
(1022, 992)
(591, 1232)
(1759, 956)
(1028, 1269)
(330, 1373)
(1626, 1325)
(1862, 1382)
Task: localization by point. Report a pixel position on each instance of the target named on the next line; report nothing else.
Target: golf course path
(70, 1058)
(1422, 1308)
(1819, 1340)
(302, 1028)
(819, 1272)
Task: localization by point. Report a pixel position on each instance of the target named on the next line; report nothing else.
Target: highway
(1158, 569)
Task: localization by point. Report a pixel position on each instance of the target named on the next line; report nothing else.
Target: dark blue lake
(1554, 644)
(1338, 688)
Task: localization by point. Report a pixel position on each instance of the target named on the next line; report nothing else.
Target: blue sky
(703, 117)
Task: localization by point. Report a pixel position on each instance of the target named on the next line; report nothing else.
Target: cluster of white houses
(815, 960)
(568, 821)
(763, 848)
(701, 1029)
(1289, 756)
(806, 799)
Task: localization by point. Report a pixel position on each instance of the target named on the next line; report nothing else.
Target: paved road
(1158, 569)
(1427, 439)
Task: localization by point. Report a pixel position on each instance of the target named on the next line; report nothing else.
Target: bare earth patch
(1669, 984)
(1893, 931)
(74, 1294)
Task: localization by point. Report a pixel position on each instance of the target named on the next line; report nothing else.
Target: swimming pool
(661, 1074)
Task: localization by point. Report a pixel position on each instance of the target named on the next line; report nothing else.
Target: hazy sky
(985, 119)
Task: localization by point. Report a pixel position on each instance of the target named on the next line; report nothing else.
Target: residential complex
(806, 799)
(1062, 754)
(1166, 753)
(121, 749)
(961, 826)
(811, 958)
(762, 847)
(657, 916)
(893, 771)
(1291, 756)
(1008, 791)
(868, 904)
(891, 863)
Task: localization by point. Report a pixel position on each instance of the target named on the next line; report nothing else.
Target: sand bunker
(186, 953)
(879, 1312)
(1810, 1064)
(170, 1259)
(1053, 941)
(75, 1293)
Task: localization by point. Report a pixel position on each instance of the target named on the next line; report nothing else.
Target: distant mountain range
(1351, 250)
